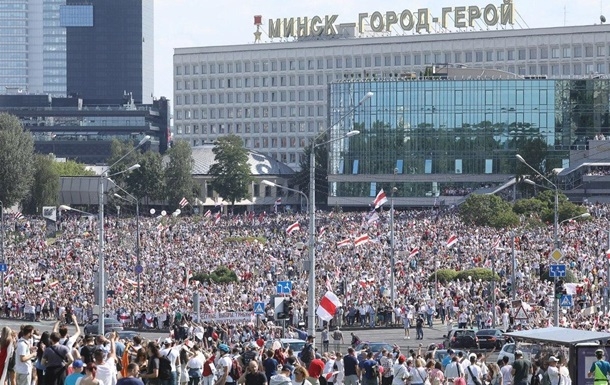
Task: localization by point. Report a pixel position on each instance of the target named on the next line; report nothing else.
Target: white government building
(274, 95)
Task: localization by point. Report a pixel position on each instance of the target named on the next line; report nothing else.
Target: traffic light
(285, 308)
(559, 289)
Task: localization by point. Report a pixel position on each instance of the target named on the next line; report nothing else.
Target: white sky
(200, 23)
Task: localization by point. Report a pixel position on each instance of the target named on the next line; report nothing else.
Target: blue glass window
(76, 16)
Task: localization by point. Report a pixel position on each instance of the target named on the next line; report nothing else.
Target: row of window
(249, 128)
(251, 112)
(249, 97)
(532, 53)
(262, 81)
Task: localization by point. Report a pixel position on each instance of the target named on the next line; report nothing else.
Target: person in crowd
(90, 375)
(252, 376)
(132, 376)
(56, 359)
(521, 369)
(77, 374)
(600, 369)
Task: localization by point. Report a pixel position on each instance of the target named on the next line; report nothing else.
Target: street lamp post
(101, 264)
(311, 298)
(555, 226)
(392, 258)
(138, 267)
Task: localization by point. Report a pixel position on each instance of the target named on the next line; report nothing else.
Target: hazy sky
(200, 23)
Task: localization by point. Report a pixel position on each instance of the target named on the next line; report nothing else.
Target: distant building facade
(71, 128)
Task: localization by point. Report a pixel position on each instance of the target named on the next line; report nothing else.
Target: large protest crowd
(48, 276)
(51, 278)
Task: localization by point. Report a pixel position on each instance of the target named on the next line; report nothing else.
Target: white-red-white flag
(373, 218)
(54, 284)
(608, 253)
(183, 202)
(328, 306)
(322, 231)
(217, 217)
(208, 214)
(343, 243)
(293, 227)
(278, 201)
(361, 240)
(452, 240)
(414, 252)
(380, 199)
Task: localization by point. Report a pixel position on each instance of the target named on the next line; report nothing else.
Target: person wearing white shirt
(553, 370)
(401, 373)
(172, 354)
(564, 372)
(453, 370)
(507, 378)
(473, 371)
(23, 356)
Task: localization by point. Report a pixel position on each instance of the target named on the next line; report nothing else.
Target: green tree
(72, 168)
(16, 166)
(488, 210)
(179, 173)
(45, 189)
(231, 173)
(148, 181)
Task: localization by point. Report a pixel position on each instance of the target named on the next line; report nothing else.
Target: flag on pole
(373, 218)
(208, 214)
(497, 244)
(452, 240)
(217, 217)
(293, 227)
(322, 231)
(18, 215)
(328, 306)
(183, 202)
(343, 243)
(380, 199)
(278, 201)
(361, 240)
(414, 252)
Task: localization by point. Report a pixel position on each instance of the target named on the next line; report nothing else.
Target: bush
(476, 274)
(261, 240)
(220, 275)
(443, 275)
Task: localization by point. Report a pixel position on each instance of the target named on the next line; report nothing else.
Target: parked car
(508, 350)
(462, 338)
(110, 325)
(491, 338)
(125, 335)
(375, 347)
(440, 354)
(295, 344)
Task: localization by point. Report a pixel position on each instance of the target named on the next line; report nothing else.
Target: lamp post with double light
(311, 298)
(101, 256)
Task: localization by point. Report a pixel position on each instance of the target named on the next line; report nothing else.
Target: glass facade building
(440, 138)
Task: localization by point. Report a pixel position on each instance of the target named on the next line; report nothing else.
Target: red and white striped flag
(497, 244)
(343, 243)
(278, 201)
(380, 199)
(9, 274)
(131, 282)
(373, 218)
(293, 227)
(208, 214)
(328, 306)
(37, 280)
(452, 240)
(217, 218)
(322, 231)
(361, 240)
(414, 252)
(183, 202)
(18, 215)
(54, 284)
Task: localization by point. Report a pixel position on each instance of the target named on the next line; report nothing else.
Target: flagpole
(2, 242)
(392, 257)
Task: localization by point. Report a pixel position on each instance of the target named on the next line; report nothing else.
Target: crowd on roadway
(49, 277)
(207, 356)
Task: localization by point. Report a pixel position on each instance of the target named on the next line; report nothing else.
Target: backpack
(236, 371)
(86, 353)
(375, 370)
(546, 380)
(307, 353)
(165, 368)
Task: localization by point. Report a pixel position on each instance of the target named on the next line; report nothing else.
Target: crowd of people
(28, 357)
(48, 277)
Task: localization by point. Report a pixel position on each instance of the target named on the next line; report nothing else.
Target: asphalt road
(392, 336)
